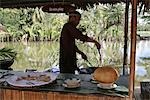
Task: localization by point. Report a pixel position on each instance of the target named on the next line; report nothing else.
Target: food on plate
(44, 78)
(106, 75)
(72, 82)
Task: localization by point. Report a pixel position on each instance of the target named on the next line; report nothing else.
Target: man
(68, 49)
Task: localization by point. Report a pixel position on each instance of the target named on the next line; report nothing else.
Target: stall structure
(66, 5)
(13, 89)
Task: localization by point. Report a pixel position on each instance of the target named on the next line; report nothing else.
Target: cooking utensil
(89, 63)
(100, 59)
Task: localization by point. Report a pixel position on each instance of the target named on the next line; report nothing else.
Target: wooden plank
(50, 95)
(29, 95)
(16, 95)
(125, 58)
(133, 47)
(61, 96)
(73, 96)
(1, 94)
(7, 94)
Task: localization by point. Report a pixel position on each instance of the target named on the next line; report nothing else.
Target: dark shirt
(67, 59)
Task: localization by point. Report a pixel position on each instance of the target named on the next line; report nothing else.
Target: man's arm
(78, 35)
(77, 50)
(81, 53)
(94, 41)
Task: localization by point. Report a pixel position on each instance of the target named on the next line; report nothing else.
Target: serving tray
(31, 79)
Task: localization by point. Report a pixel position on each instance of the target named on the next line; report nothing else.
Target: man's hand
(84, 56)
(90, 39)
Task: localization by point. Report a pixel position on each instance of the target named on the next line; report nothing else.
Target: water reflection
(140, 71)
(142, 61)
(143, 50)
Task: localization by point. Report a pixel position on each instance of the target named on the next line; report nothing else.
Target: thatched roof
(34, 3)
(78, 3)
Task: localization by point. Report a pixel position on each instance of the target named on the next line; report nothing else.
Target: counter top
(87, 87)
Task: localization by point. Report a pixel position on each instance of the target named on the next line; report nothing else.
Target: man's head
(74, 17)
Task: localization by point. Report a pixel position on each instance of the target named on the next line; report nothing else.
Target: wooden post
(133, 47)
(126, 36)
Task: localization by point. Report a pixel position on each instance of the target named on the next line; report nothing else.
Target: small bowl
(72, 83)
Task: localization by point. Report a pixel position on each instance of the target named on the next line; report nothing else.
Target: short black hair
(74, 13)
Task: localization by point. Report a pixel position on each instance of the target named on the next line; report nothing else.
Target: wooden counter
(56, 91)
(7, 94)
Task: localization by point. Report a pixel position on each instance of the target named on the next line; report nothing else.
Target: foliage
(143, 27)
(103, 21)
(146, 18)
(6, 53)
(145, 22)
(113, 54)
(100, 21)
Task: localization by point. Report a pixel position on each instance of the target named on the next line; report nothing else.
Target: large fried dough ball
(106, 74)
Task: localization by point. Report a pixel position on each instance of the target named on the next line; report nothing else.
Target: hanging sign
(58, 8)
(50, 9)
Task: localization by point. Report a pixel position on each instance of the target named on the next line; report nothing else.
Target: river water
(142, 70)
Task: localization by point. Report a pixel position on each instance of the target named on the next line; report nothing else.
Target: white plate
(122, 89)
(2, 80)
(67, 86)
(13, 80)
(93, 80)
(3, 77)
(111, 87)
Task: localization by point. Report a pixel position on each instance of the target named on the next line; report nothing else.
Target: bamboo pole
(126, 36)
(133, 47)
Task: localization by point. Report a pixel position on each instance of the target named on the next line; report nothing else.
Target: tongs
(89, 63)
(100, 59)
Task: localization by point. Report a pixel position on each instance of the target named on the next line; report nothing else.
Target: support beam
(133, 47)
(126, 37)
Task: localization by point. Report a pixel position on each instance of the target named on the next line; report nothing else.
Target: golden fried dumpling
(106, 74)
(44, 78)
